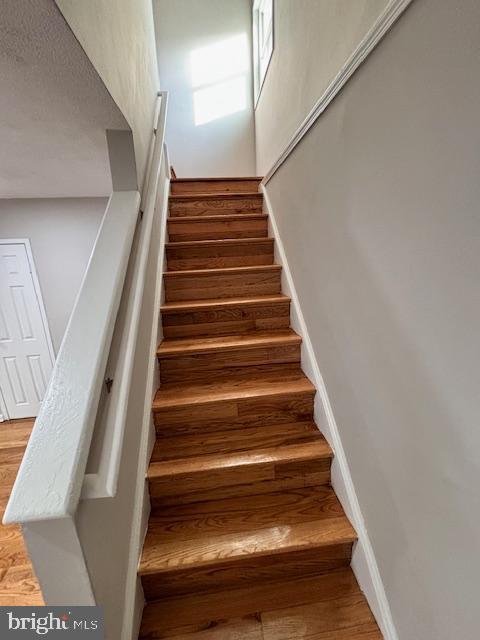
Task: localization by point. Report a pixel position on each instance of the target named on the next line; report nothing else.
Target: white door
(26, 357)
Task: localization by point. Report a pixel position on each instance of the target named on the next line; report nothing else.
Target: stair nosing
(314, 450)
(218, 242)
(223, 195)
(234, 395)
(218, 179)
(266, 339)
(217, 217)
(212, 303)
(185, 273)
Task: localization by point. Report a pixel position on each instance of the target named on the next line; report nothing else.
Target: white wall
(378, 209)
(119, 39)
(62, 232)
(223, 146)
(312, 40)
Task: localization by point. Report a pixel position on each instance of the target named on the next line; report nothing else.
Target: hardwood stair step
(235, 403)
(229, 282)
(190, 186)
(160, 556)
(245, 513)
(184, 359)
(214, 254)
(204, 394)
(212, 476)
(231, 560)
(332, 604)
(252, 225)
(171, 348)
(183, 446)
(207, 204)
(209, 317)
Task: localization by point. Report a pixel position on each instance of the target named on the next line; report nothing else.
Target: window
(262, 42)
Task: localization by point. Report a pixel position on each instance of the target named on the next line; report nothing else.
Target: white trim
(133, 593)
(37, 289)
(364, 563)
(50, 477)
(57, 557)
(385, 21)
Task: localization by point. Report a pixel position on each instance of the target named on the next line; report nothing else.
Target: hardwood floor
(18, 585)
(246, 538)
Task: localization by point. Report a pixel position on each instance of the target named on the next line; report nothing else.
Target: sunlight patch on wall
(219, 100)
(219, 79)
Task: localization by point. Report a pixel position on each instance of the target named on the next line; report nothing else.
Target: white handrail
(50, 478)
(103, 483)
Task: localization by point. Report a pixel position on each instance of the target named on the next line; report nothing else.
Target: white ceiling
(54, 109)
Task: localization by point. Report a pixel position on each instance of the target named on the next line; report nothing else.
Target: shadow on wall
(219, 74)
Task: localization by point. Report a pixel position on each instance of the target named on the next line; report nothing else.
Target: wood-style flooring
(18, 585)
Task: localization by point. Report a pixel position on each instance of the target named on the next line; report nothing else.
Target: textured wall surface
(54, 108)
(378, 212)
(119, 39)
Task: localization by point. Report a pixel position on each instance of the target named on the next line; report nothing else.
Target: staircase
(246, 538)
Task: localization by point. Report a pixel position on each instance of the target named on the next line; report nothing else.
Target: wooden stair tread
(276, 455)
(223, 271)
(244, 513)
(158, 558)
(202, 611)
(196, 345)
(218, 217)
(172, 395)
(168, 447)
(212, 304)
(230, 195)
(217, 227)
(223, 242)
(218, 179)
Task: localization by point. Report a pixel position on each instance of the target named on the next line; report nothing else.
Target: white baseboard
(134, 598)
(364, 563)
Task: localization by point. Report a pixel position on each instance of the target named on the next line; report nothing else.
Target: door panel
(25, 359)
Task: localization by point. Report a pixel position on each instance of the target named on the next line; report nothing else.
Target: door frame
(41, 305)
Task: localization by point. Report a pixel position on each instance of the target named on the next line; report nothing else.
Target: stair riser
(195, 367)
(217, 257)
(235, 414)
(228, 482)
(225, 285)
(245, 571)
(214, 186)
(233, 440)
(241, 319)
(179, 231)
(216, 206)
